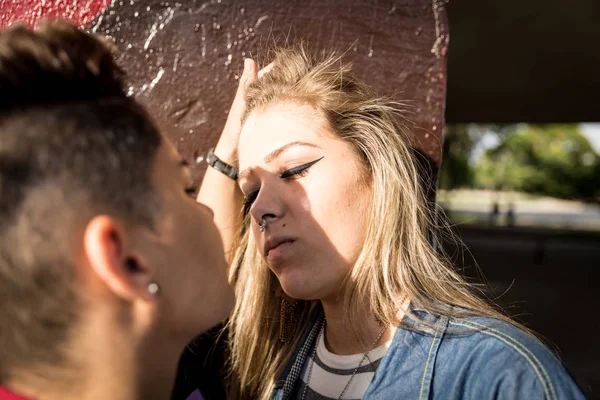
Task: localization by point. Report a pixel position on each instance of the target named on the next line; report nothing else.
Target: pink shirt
(6, 394)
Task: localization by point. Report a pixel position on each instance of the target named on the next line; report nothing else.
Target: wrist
(226, 151)
(220, 165)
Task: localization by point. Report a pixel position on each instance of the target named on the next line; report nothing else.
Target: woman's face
(311, 188)
(186, 252)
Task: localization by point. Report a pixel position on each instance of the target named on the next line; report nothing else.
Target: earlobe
(109, 258)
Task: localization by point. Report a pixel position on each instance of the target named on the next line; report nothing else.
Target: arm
(513, 365)
(217, 191)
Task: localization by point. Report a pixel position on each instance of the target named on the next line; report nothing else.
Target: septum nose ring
(262, 226)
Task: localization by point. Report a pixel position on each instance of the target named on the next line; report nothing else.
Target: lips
(275, 247)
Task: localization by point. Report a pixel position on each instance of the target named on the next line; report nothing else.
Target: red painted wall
(80, 12)
(183, 57)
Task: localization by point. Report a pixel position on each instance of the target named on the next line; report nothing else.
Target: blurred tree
(460, 143)
(554, 160)
(456, 169)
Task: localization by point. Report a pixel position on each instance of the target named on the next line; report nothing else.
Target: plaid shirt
(290, 376)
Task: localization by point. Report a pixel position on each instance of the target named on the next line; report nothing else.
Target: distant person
(510, 215)
(108, 266)
(340, 293)
(494, 213)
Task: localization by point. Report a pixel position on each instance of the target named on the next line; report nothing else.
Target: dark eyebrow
(185, 169)
(276, 153)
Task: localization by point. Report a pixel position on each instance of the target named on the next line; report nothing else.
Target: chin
(215, 310)
(227, 302)
(301, 288)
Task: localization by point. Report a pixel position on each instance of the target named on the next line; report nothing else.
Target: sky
(592, 132)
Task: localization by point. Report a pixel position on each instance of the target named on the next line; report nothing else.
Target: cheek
(195, 236)
(343, 194)
(341, 209)
(351, 207)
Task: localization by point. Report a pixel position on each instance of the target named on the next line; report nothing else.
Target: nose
(267, 205)
(208, 209)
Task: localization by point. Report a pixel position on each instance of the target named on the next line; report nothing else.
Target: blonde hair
(398, 235)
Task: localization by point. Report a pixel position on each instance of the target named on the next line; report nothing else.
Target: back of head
(72, 145)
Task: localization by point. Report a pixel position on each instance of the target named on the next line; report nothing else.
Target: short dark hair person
(72, 145)
(109, 265)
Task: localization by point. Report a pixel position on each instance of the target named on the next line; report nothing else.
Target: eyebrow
(276, 153)
(185, 168)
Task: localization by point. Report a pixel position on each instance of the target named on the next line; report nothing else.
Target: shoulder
(489, 356)
(476, 336)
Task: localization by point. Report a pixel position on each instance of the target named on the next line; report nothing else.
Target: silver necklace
(314, 357)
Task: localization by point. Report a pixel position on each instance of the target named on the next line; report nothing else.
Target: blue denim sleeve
(499, 362)
(506, 376)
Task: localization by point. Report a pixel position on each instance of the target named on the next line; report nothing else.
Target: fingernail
(246, 64)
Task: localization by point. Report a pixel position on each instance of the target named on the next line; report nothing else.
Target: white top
(331, 373)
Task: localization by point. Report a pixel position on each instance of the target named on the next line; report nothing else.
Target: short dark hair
(72, 145)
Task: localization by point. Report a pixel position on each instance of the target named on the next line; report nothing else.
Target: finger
(250, 73)
(237, 107)
(248, 76)
(265, 70)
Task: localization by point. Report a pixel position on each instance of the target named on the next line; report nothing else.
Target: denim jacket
(462, 358)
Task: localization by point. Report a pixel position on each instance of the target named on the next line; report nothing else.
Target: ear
(105, 247)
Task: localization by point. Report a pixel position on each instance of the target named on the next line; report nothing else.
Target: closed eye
(299, 170)
(248, 200)
(191, 191)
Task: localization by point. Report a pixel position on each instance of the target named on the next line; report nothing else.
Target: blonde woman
(340, 294)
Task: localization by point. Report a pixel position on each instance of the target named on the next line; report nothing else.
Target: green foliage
(459, 143)
(456, 170)
(553, 160)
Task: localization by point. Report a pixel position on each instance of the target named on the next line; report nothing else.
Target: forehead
(167, 163)
(268, 129)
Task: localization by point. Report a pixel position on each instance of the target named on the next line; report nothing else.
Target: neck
(107, 361)
(341, 339)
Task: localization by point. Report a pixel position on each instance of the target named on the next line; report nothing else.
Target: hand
(217, 191)
(228, 142)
